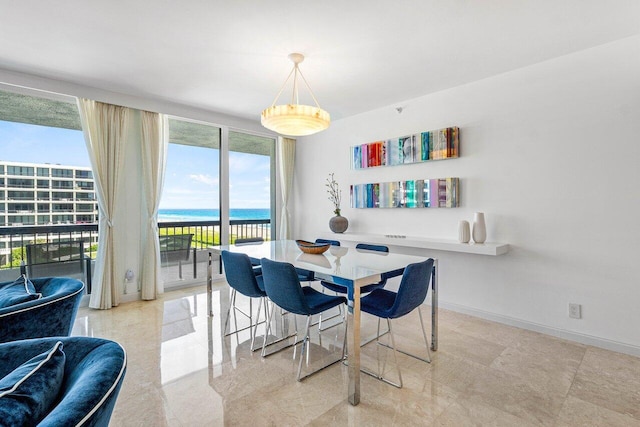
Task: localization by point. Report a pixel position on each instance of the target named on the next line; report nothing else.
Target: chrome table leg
(434, 306)
(353, 345)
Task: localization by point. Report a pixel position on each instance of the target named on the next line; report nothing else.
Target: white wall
(551, 154)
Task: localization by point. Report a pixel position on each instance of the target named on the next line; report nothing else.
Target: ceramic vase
(479, 232)
(338, 224)
(464, 233)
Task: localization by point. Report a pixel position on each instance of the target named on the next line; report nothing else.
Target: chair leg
(379, 374)
(426, 341)
(232, 304)
(266, 333)
(254, 329)
(304, 346)
(264, 342)
(320, 320)
(307, 345)
(395, 354)
(424, 334)
(375, 338)
(263, 301)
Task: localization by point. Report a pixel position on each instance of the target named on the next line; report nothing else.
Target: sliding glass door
(189, 214)
(219, 186)
(251, 185)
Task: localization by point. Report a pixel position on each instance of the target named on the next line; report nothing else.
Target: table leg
(434, 306)
(209, 287)
(353, 345)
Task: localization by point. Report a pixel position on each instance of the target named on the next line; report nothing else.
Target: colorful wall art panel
(427, 193)
(421, 147)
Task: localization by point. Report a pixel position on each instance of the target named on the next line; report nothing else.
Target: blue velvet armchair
(51, 315)
(92, 372)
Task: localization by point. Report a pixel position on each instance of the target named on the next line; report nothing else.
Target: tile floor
(183, 372)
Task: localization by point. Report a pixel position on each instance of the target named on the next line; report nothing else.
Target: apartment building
(46, 194)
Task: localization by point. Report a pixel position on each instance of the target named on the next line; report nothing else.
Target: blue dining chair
(331, 242)
(367, 288)
(385, 304)
(251, 241)
(284, 290)
(242, 278)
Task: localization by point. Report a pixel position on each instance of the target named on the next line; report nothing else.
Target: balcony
(21, 211)
(177, 269)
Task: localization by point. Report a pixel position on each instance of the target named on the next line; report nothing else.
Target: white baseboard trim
(536, 327)
(130, 297)
(135, 296)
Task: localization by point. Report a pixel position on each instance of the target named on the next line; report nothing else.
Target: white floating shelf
(487, 248)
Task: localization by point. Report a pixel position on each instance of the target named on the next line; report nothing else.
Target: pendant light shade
(295, 119)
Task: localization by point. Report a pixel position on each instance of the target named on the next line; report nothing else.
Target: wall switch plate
(575, 311)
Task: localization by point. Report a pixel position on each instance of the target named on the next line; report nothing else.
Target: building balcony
(21, 211)
(178, 269)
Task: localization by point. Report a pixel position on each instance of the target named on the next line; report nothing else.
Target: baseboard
(135, 296)
(591, 340)
(130, 297)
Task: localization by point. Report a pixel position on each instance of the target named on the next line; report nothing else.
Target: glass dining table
(349, 267)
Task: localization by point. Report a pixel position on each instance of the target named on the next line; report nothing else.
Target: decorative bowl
(312, 248)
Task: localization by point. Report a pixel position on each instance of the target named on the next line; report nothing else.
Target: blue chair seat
(318, 301)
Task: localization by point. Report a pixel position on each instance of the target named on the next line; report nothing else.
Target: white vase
(463, 232)
(479, 231)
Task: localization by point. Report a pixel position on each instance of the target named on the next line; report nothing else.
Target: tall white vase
(464, 233)
(479, 232)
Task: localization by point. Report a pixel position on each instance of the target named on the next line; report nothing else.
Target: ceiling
(231, 56)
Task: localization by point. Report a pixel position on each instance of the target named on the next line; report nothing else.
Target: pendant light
(295, 119)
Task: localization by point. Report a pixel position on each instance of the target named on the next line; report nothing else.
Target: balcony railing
(192, 264)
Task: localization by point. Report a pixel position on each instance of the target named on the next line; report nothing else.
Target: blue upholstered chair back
(93, 374)
(248, 241)
(331, 242)
(413, 288)
(240, 274)
(368, 247)
(385, 250)
(283, 286)
(50, 316)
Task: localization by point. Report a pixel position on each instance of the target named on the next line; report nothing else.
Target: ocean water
(170, 215)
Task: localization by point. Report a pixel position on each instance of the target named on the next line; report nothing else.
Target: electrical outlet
(575, 311)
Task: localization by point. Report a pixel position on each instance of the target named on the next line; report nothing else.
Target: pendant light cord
(294, 95)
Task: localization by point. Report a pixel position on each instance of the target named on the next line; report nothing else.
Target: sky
(191, 176)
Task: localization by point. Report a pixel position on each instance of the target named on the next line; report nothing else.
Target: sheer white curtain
(286, 155)
(154, 152)
(105, 127)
